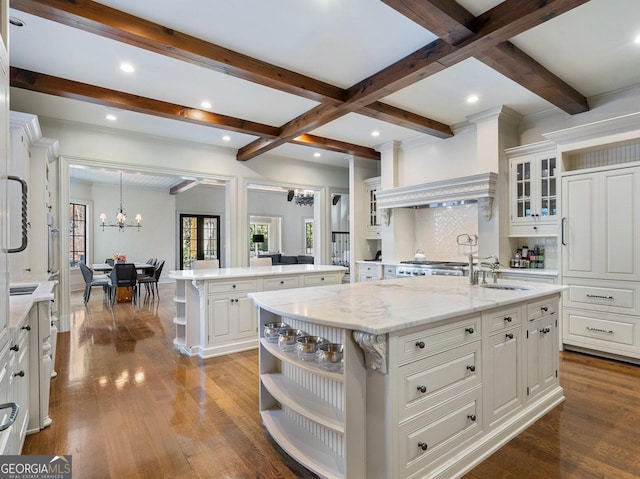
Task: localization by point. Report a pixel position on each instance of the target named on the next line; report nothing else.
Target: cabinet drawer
(430, 341)
(503, 318)
(604, 331)
(368, 268)
(434, 436)
(612, 296)
(389, 272)
(544, 308)
(320, 279)
(534, 229)
(440, 376)
(281, 282)
(234, 286)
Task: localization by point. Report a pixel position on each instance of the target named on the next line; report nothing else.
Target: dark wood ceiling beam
(442, 17)
(513, 63)
(337, 146)
(495, 26)
(448, 20)
(51, 85)
(101, 20)
(182, 187)
(406, 119)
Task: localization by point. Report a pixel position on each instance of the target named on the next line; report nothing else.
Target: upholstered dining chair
(151, 281)
(260, 262)
(124, 275)
(91, 280)
(205, 264)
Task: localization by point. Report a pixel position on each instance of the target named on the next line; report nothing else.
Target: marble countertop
(19, 306)
(255, 271)
(380, 307)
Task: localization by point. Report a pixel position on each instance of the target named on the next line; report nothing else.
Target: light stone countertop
(255, 271)
(19, 306)
(380, 307)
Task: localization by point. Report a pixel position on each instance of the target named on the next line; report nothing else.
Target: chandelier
(301, 197)
(121, 217)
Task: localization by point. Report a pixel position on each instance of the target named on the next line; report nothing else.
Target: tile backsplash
(436, 230)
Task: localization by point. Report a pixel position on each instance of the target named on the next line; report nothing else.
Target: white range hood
(480, 187)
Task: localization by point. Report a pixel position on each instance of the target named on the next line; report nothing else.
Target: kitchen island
(214, 316)
(436, 375)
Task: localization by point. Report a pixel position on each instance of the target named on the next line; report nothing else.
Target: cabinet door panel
(219, 319)
(620, 214)
(579, 213)
(245, 318)
(505, 353)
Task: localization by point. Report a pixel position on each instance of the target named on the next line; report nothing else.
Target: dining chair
(205, 264)
(260, 262)
(91, 279)
(124, 275)
(151, 281)
(109, 261)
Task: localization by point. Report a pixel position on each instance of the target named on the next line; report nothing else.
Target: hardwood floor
(125, 404)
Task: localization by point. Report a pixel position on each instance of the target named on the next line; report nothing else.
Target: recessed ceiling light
(316, 155)
(226, 138)
(127, 67)
(205, 104)
(111, 117)
(375, 133)
(472, 99)
(16, 22)
(637, 39)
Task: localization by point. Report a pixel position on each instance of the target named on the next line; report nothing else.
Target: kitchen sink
(509, 287)
(22, 290)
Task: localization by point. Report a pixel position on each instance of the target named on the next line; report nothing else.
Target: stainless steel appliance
(431, 268)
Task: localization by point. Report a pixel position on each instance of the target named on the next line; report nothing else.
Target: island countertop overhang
(255, 271)
(381, 307)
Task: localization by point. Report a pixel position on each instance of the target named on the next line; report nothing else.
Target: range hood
(480, 188)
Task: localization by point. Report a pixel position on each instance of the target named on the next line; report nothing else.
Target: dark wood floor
(125, 404)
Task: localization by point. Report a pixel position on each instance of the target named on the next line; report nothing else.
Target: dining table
(106, 267)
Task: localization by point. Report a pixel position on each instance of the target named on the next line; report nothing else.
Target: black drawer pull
(469, 330)
(472, 417)
(508, 319)
(471, 367)
(21, 374)
(546, 330)
(423, 445)
(27, 327)
(422, 389)
(508, 336)
(15, 348)
(420, 344)
(544, 308)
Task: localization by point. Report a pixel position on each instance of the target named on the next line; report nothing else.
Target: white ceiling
(339, 42)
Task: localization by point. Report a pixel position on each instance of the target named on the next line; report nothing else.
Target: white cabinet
(231, 316)
(20, 375)
(389, 271)
(534, 195)
(600, 260)
(368, 271)
(601, 224)
(541, 346)
(371, 186)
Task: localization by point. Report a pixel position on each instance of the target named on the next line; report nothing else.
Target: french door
(199, 238)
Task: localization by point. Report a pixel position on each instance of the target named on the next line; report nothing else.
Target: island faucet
(473, 275)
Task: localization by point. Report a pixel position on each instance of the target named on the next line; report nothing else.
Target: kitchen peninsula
(437, 374)
(214, 316)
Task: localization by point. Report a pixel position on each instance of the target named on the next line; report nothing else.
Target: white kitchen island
(437, 374)
(214, 316)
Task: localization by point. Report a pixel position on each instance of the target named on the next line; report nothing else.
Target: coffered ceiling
(295, 79)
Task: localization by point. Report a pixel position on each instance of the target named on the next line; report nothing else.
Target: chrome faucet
(473, 274)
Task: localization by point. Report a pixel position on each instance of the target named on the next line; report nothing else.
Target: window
(77, 234)
(308, 236)
(259, 229)
(199, 238)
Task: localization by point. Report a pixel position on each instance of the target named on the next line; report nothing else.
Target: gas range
(431, 268)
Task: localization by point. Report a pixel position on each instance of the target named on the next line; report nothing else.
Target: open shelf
(313, 367)
(180, 341)
(181, 320)
(305, 403)
(179, 299)
(303, 446)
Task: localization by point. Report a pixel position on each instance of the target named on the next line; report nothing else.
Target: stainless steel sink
(22, 290)
(509, 287)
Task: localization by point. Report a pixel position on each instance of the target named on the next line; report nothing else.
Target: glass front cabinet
(534, 189)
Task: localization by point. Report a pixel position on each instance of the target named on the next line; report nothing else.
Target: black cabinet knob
(472, 417)
(27, 327)
(469, 330)
(471, 367)
(15, 347)
(508, 319)
(508, 336)
(21, 374)
(422, 389)
(420, 344)
(423, 445)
